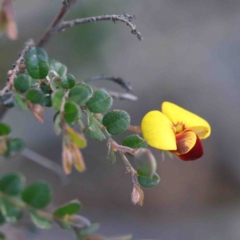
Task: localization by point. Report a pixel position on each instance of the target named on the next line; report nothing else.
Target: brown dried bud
(78, 160)
(67, 159)
(137, 195)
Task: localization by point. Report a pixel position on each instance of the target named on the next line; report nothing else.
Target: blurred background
(190, 55)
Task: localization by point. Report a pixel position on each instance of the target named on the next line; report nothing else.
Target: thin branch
(136, 129)
(121, 148)
(125, 18)
(125, 85)
(54, 26)
(43, 161)
(123, 96)
(130, 169)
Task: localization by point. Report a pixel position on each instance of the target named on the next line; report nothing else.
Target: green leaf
(37, 66)
(38, 195)
(19, 101)
(77, 138)
(34, 95)
(89, 230)
(2, 219)
(146, 181)
(99, 102)
(14, 145)
(68, 81)
(58, 67)
(36, 51)
(57, 98)
(12, 183)
(70, 208)
(71, 112)
(22, 83)
(10, 212)
(40, 221)
(95, 132)
(80, 93)
(116, 121)
(4, 129)
(134, 141)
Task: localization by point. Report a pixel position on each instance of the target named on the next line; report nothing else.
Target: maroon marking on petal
(195, 153)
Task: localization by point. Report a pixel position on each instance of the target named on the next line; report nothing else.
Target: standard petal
(157, 129)
(190, 120)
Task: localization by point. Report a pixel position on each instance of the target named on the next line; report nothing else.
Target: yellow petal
(191, 121)
(157, 130)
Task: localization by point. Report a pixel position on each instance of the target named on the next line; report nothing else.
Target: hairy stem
(125, 18)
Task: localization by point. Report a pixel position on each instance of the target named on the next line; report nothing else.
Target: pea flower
(176, 130)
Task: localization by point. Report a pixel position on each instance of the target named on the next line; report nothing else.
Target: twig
(125, 18)
(125, 85)
(120, 148)
(43, 161)
(130, 169)
(123, 96)
(16, 67)
(136, 129)
(54, 27)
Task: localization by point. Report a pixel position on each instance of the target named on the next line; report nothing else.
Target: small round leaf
(22, 83)
(4, 129)
(12, 183)
(14, 145)
(80, 93)
(57, 98)
(38, 195)
(134, 141)
(146, 181)
(36, 51)
(10, 212)
(68, 81)
(34, 96)
(37, 67)
(116, 121)
(99, 102)
(70, 208)
(71, 112)
(58, 67)
(95, 132)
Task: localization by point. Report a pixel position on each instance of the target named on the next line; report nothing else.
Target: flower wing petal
(191, 121)
(157, 130)
(185, 142)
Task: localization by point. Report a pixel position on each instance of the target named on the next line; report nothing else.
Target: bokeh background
(190, 55)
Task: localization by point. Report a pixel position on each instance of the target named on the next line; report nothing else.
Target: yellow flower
(176, 130)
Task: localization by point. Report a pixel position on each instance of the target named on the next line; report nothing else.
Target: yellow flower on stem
(176, 130)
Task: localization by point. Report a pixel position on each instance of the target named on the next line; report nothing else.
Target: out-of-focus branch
(125, 85)
(54, 26)
(123, 96)
(43, 161)
(125, 18)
